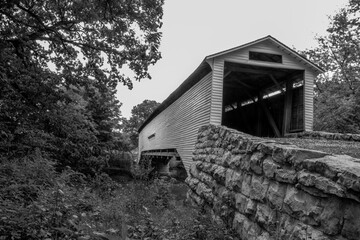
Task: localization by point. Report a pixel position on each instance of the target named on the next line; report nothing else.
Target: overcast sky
(193, 29)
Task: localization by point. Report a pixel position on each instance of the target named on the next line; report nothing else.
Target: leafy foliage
(60, 62)
(139, 114)
(39, 203)
(80, 37)
(337, 95)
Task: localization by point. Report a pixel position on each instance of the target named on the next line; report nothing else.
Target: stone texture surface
(326, 135)
(265, 190)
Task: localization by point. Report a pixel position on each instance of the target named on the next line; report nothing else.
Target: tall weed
(36, 202)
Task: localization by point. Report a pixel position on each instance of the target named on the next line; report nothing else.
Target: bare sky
(193, 29)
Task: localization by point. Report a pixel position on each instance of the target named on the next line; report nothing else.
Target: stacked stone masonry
(326, 136)
(266, 190)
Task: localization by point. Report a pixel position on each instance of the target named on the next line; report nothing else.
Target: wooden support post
(259, 115)
(270, 118)
(276, 83)
(287, 108)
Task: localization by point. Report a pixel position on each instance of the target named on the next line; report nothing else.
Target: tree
(139, 114)
(337, 91)
(60, 62)
(83, 39)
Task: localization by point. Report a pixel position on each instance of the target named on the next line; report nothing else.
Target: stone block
(251, 146)
(233, 180)
(223, 132)
(242, 144)
(206, 167)
(333, 166)
(351, 228)
(218, 143)
(266, 217)
(225, 158)
(226, 196)
(245, 227)
(322, 183)
(234, 161)
(256, 162)
(350, 178)
(282, 153)
(219, 174)
(199, 165)
(207, 179)
(265, 236)
(245, 162)
(192, 182)
(285, 175)
(224, 211)
(266, 147)
(305, 232)
(293, 229)
(302, 205)
(209, 143)
(246, 185)
(292, 155)
(276, 194)
(245, 205)
(269, 167)
(205, 192)
(259, 187)
(194, 172)
(312, 191)
(208, 158)
(215, 136)
(332, 216)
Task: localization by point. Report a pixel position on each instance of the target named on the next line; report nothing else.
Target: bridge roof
(204, 68)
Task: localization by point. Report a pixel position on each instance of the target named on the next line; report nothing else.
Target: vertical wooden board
(177, 125)
(309, 100)
(217, 92)
(287, 107)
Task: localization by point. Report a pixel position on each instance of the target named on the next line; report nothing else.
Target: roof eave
(203, 68)
(277, 42)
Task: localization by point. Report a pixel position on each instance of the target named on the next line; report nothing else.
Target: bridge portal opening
(263, 101)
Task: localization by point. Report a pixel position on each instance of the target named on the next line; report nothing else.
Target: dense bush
(36, 202)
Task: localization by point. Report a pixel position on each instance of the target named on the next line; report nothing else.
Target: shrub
(121, 160)
(141, 171)
(38, 203)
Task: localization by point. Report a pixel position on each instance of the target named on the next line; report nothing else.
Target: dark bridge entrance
(263, 101)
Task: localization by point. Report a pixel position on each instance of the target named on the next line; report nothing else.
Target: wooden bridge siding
(309, 100)
(242, 56)
(217, 91)
(177, 126)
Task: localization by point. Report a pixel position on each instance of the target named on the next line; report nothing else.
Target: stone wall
(326, 136)
(265, 190)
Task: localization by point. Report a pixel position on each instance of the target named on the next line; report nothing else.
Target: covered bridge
(263, 88)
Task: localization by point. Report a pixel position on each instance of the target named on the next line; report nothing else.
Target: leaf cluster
(39, 203)
(84, 39)
(60, 63)
(139, 114)
(337, 95)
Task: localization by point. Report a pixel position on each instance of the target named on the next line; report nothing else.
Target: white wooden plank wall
(217, 92)
(177, 126)
(309, 100)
